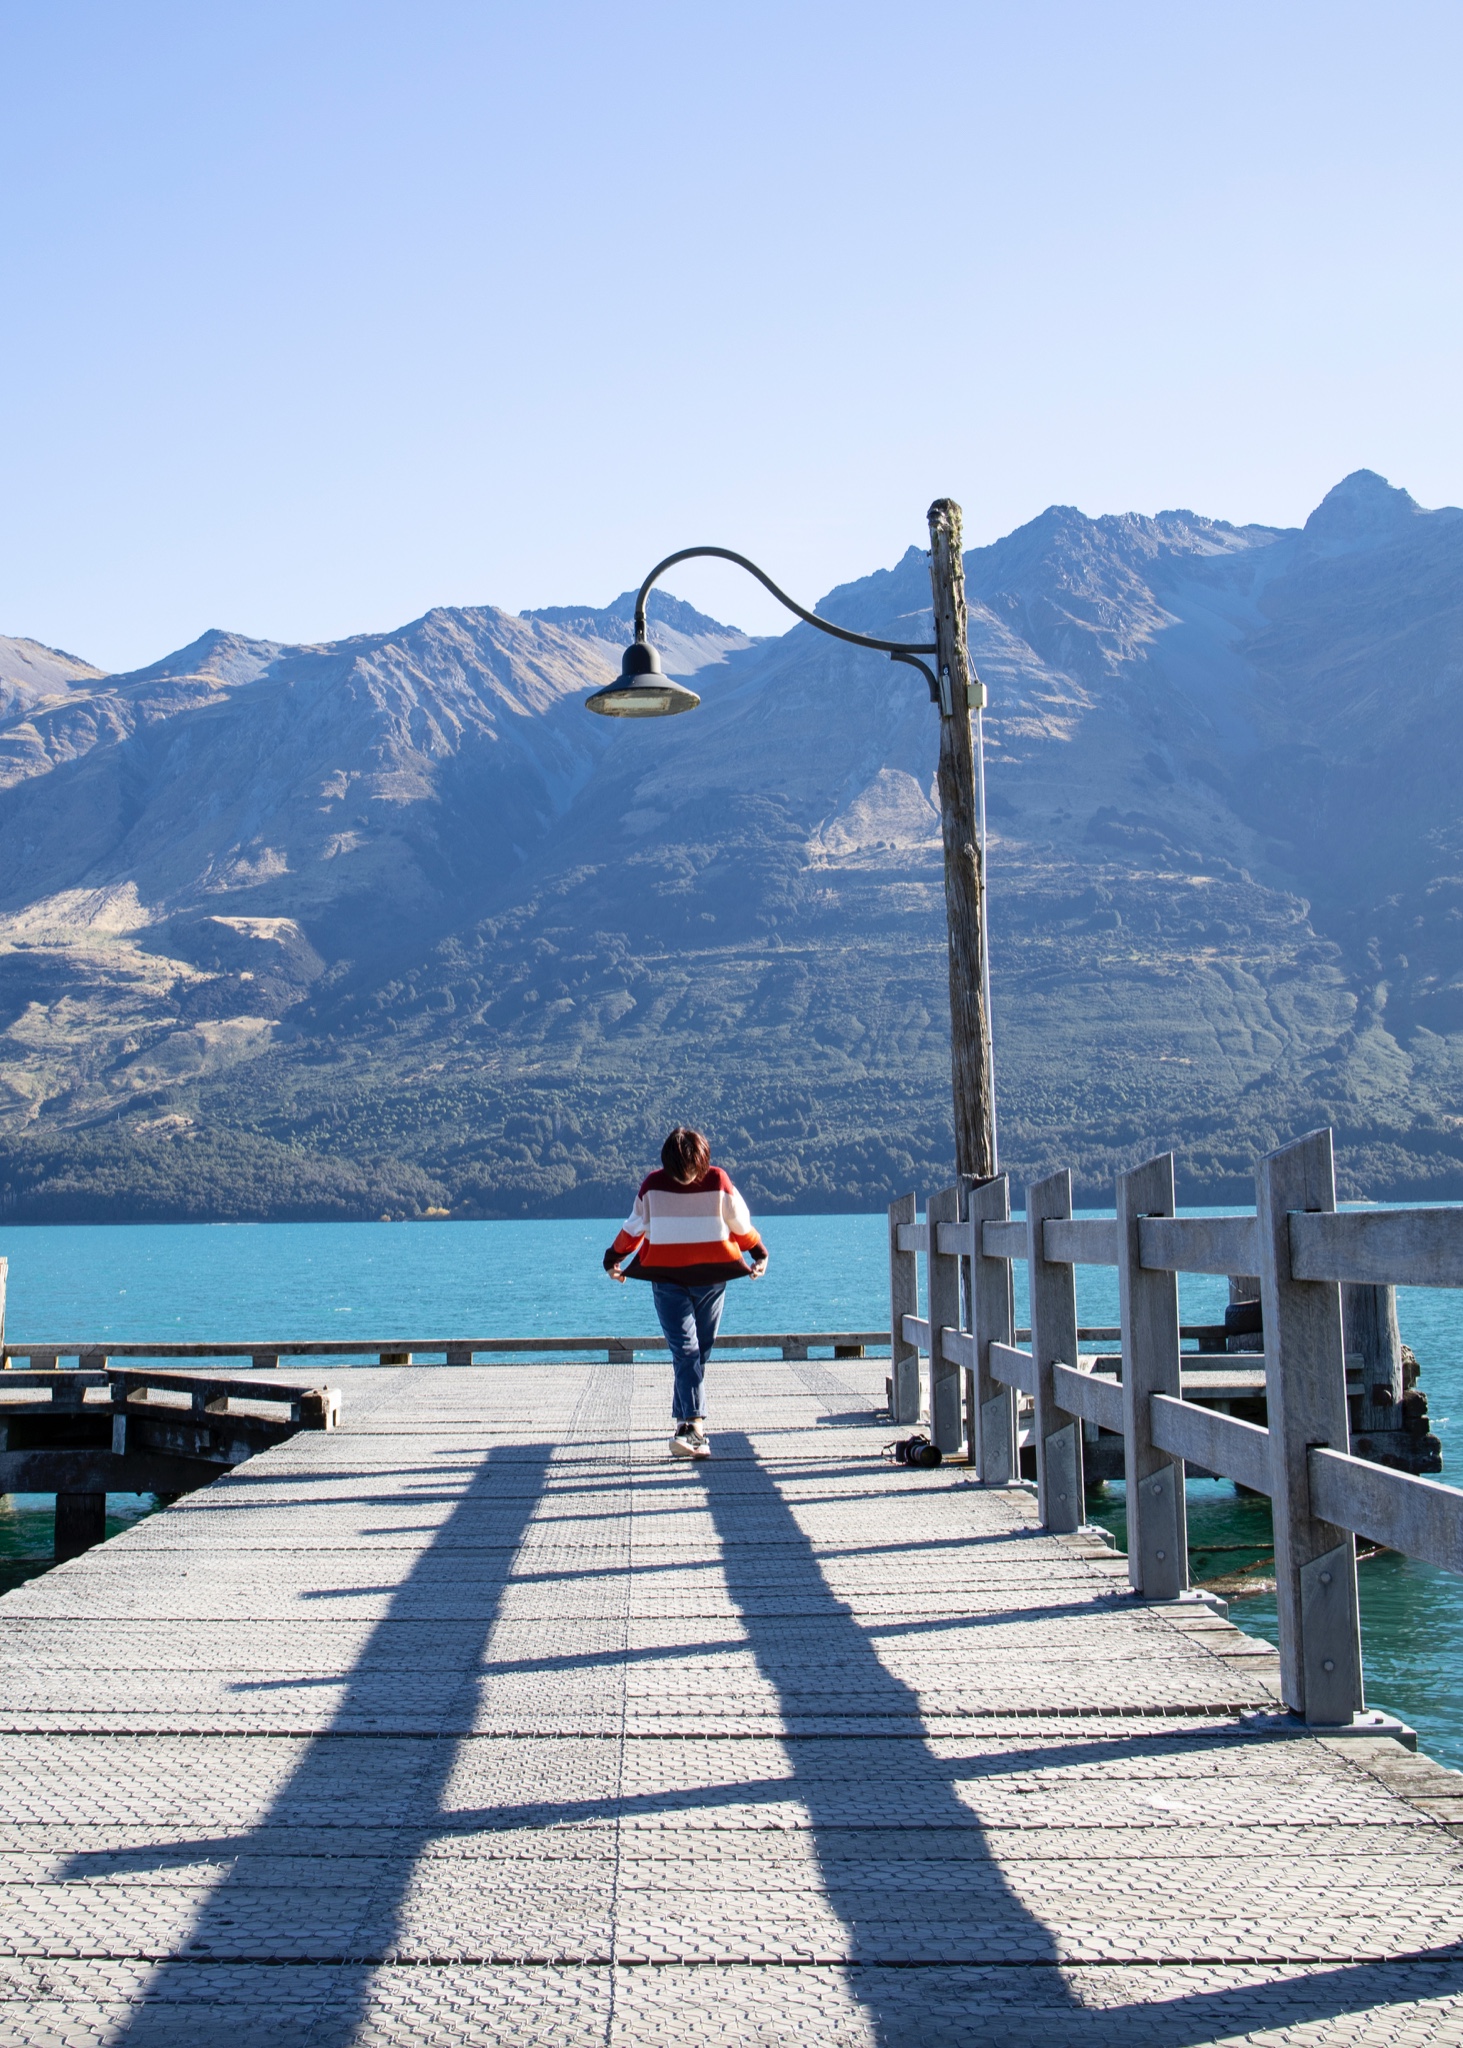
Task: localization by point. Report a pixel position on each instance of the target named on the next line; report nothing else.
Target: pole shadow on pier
(852, 1785)
(925, 1996)
(339, 1784)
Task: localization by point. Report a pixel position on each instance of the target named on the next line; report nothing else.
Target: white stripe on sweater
(704, 1218)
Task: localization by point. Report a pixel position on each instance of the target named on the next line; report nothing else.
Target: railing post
(1158, 1562)
(1305, 1393)
(903, 1301)
(1059, 1489)
(944, 1271)
(992, 1406)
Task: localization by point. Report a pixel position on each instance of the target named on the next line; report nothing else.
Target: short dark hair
(685, 1155)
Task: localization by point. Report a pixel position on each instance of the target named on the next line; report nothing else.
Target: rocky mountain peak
(31, 673)
(609, 622)
(1362, 511)
(223, 657)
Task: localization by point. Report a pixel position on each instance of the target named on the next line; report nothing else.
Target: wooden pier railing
(267, 1353)
(84, 1434)
(1302, 1252)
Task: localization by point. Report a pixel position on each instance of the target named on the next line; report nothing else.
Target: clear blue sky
(316, 315)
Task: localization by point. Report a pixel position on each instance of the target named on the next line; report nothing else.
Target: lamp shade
(643, 690)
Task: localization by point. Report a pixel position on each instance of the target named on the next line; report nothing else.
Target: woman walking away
(688, 1230)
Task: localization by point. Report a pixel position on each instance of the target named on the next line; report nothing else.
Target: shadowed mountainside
(389, 925)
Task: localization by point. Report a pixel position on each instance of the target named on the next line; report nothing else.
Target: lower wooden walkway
(480, 1721)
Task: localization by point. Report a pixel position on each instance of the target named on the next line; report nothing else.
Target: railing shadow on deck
(334, 1777)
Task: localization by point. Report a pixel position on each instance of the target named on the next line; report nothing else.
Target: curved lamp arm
(897, 650)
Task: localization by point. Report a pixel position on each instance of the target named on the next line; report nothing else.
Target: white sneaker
(690, 1441)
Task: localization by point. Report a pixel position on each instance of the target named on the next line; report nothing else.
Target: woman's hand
(759, 1266)
(615, 1274)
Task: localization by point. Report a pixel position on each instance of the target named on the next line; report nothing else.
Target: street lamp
(644, 691)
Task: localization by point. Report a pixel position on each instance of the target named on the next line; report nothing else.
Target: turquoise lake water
(423, 1280)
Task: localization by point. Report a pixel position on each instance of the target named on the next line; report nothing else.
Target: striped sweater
(694, 1235)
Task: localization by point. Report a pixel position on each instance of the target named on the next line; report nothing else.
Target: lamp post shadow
(901, 1856)
(939, 1945)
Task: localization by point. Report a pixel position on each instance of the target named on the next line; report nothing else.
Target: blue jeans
(690, 1317)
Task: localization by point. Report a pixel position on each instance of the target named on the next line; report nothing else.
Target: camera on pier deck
(914, 1450)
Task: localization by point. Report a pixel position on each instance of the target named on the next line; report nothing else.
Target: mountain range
(389, 926)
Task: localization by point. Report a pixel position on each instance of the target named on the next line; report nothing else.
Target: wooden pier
(476, 1719)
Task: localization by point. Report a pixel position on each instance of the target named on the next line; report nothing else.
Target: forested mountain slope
(390, 924)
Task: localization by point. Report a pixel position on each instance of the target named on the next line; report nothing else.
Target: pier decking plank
(478, 1720)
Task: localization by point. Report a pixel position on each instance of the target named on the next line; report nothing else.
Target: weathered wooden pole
(1369, 1320)
(970, 1031)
